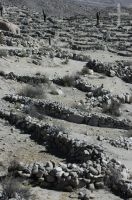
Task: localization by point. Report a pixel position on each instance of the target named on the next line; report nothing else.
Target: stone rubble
(121, 142)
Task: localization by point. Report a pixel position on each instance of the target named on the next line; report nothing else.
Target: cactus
(1, 9)
(98, 18)
(44, 15)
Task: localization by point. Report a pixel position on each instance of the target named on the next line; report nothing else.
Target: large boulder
(8, 26)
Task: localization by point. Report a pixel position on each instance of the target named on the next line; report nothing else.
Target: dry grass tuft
(36, 91)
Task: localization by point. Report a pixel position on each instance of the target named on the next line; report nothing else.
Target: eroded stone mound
(8, 26)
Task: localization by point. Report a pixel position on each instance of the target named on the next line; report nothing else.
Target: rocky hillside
(53, 7)
(106, 2)
(66, 7)
(65, 106)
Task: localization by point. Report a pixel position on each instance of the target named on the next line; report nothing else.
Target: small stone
(59, 174)
(57, 169)
(89, 94)
(92, 196)
(127, 98)
(41, 180)
(59, 92)
(40, 173)
(49, 166)
(93, 170)
(63, 166)
(74, 166)
(90, 71)
(81, 195)
(66, 174)
(35, 169)
(91, 187)
(86, 197)
(12, 130)
(86, 152)
(112, 73)
(69, 188)
(50, 179)
(99, 185)
(23, 175)
(74, 174)
(100, 138)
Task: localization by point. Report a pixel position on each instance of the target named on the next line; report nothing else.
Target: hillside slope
(66, 7)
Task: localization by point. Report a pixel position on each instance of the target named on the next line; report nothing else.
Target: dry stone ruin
(65, 104)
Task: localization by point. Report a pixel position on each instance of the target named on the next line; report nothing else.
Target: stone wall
(118, 69)
(90, 166)
(25, 79)
(57, 110)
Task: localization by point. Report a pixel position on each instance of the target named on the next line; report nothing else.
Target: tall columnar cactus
(1, 9)
(44, 15)
(98, 18)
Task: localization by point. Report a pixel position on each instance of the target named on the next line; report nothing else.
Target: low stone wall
(55, 139)
(74, 56)
(83, 86)
(25, 79)
(119, 70)
(57, 110)
(84, 47)
(93, 169)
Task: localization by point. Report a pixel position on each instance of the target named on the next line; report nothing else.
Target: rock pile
(69, 177)
(118, 179)
(122, 142)
(65, 177)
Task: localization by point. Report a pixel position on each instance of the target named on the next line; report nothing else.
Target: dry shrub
(129, 134)
(69, 81)
(82, 107)
(65, 61)
(2, 73)
(85, 70)
(44, 76)
(34, 111)
(3, 53)
(113, 107)
(36, 91)
(113, 178)
(13, 188)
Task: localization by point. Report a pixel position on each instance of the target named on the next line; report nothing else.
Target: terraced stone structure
(66, 105)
